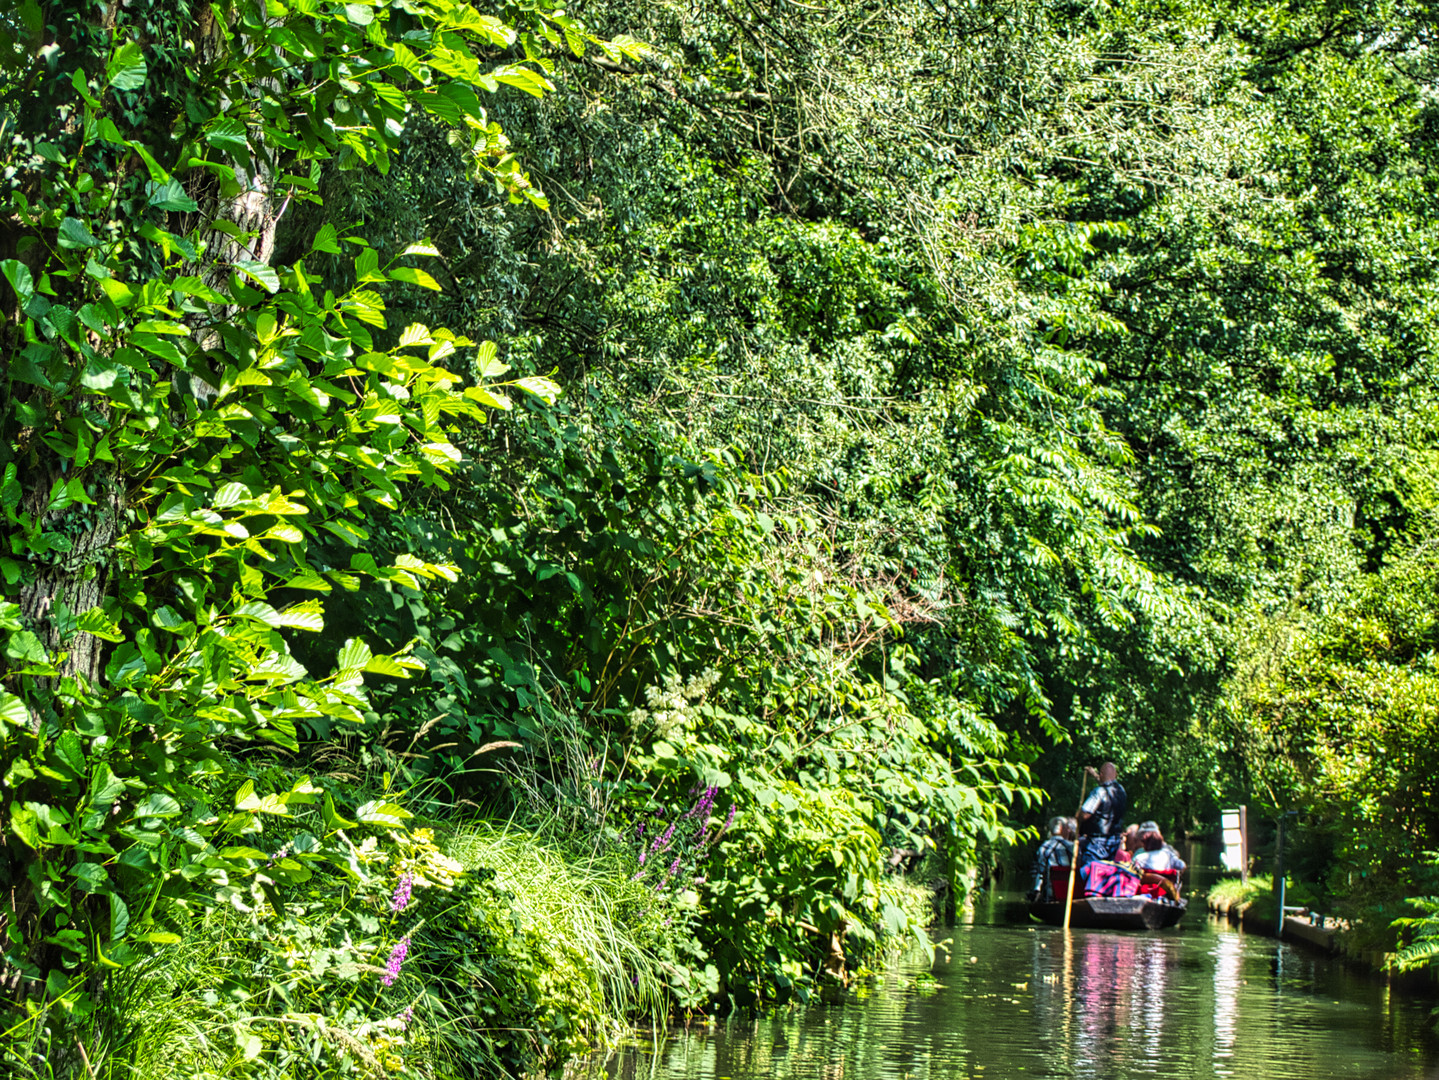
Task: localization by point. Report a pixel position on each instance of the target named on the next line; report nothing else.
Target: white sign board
(1233, 855)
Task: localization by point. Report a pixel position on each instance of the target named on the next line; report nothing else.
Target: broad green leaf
(90, 876)
(383, 814)
(20, 279)
(331, 816)
(231, 495)
(384, 665)
(487, 362)
(157, 804)
(105, 786)
(25, 825)
(171, 196)
(245, 798)
(12, 711)
(355, 654)
(73, 234)
(126, 69)
(326, 240)
(261, 273)
(488, 398)
(546, 389)
(67, 749)
(96, 622)
(415, 277)
(229, 135)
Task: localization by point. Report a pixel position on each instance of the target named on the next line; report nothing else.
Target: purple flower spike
(406, 1015)
(403, 890)
(397, 958)
(663, 840)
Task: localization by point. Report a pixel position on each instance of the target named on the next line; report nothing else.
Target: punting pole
(1074, 855)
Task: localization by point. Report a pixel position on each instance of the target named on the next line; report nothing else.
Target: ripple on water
(1202, 1001)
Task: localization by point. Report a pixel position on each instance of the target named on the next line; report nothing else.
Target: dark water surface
(1201, 1000)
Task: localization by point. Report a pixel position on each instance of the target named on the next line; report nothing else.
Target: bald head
(1107, 772)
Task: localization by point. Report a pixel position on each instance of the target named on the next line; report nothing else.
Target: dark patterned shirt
(1107, 804)
(1053, 852)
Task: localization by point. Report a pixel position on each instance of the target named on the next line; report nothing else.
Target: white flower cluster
(672, 704)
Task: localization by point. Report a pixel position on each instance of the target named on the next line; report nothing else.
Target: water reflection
(1018, 1001)
(1228, 955)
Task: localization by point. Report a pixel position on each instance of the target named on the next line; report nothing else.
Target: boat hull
(1113, 913)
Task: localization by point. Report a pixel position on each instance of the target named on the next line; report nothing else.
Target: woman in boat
(1158, 863)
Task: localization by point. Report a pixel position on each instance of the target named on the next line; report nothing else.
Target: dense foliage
(851, 418)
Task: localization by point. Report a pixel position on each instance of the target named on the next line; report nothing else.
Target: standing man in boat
(1101, 818)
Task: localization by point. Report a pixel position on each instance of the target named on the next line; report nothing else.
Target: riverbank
(1257, 913)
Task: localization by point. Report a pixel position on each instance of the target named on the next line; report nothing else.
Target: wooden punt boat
(1113, 913)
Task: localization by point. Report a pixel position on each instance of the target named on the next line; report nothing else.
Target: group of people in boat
(1114, 859)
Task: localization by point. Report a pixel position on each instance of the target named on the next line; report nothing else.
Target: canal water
(1202, 1000)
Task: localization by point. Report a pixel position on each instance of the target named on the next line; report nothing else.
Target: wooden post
(1243, 846)
(1074, 855)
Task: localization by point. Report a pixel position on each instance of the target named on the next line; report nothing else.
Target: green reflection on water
(1201, 1001)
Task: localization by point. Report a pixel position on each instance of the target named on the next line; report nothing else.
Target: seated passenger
(1159, 865)
(1055, 851)
(1128, 846)
(1157, 855)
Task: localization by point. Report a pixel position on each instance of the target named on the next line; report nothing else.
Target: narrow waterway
(1199, 1001)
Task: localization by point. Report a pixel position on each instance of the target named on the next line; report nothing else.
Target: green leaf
(12, 711)
(105, 786)
(157, 804)
(126, 70)
(73, 234)
(415, 277)
(326, 240)
(382, 814)
(260, 273)
(245, 798)
(384, 665)
(229, 135)
(332, 817)
(91, 876)
(96, 622)
(545, 389)
(487, 362)
(20, 279)
(25, 825)
(119, 917)
(171, 196)
(355, 654)
(67, 749)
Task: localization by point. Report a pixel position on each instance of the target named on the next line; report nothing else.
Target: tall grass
(589, 916)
